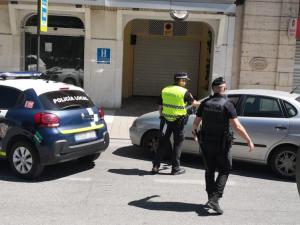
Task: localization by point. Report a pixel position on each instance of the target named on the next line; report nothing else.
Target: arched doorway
(154, 50)
(62, 48)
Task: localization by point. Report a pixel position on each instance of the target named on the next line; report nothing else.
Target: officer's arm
(238, 127)
(196, 123)
(196, 103)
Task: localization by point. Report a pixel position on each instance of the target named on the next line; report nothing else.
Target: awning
(225, 6)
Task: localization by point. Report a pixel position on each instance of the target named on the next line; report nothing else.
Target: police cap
(181, 75)
(218, 81)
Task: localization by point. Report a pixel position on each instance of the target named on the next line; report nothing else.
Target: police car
(44, 122)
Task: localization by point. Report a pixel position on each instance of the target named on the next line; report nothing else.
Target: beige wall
(265, 43)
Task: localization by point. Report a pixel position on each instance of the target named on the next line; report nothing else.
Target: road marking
(187, 181)
(82, 179)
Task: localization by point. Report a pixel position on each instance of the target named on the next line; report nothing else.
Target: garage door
(297, 68)
(156, 60)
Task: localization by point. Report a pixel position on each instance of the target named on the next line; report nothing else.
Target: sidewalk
(120, 120)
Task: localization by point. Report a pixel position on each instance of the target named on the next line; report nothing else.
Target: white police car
(44, 122)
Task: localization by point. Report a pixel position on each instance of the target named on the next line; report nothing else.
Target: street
(119, 190)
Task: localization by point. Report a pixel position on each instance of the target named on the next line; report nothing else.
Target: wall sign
(103, 55)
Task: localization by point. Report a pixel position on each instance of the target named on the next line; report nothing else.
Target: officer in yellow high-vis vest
(173, 115)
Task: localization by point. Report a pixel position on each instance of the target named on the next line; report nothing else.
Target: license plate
(85, 135)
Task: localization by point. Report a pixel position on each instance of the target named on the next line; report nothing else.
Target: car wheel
(150, 143)
(283, 162)
(24, 160)
(90, 158)
(70, 81)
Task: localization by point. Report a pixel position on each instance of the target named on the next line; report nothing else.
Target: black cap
(218, 81)
(181, 75)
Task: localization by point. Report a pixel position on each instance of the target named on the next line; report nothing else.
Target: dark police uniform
(216, 112)
(175, 126)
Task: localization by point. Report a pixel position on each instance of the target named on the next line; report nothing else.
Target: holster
(227, 140)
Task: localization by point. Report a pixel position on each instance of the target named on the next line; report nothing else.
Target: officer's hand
(251, 145)
(195, 135)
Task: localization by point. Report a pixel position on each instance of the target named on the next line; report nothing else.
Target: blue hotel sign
(103, 55)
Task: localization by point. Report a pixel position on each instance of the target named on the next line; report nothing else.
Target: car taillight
(101, 113)
(46, 120)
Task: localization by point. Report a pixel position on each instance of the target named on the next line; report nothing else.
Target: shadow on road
(240, 168)
(146, 203)
(52, 172)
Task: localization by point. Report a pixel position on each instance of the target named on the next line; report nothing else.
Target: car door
(264, 120)
(8, 99)
(190, 145)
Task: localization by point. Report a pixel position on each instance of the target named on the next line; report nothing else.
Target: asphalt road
(118, 190)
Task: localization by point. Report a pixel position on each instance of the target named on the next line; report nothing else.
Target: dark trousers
(217, 157)
(176, 128)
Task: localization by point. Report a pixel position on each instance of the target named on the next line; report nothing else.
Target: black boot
(209, 199)
(214, 204)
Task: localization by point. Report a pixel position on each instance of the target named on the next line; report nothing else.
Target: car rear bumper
(61, 151)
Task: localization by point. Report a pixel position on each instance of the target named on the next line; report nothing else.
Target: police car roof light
(19, 75)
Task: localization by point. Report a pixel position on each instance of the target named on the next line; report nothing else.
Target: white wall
(103, 82)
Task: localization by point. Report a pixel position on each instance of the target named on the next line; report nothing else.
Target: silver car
(272, 119)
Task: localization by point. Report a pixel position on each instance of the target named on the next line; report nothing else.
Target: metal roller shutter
(156, 60)
(297, 68)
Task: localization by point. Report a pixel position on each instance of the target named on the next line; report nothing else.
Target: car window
(235, 100)
(65, 99)
(9, 97)
(257, 106)
(290, 109)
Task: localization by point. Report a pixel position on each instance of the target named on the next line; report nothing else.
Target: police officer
(173, 115)
(298, 170)
(217, 113)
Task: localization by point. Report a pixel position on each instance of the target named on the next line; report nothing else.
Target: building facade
(118, 49)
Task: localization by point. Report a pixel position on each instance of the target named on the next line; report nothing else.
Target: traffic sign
(44, 15)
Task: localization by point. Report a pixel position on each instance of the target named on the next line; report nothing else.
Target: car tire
(70, 81)
(150, 144)
(90, 158)
(283, 162)
(24, 160)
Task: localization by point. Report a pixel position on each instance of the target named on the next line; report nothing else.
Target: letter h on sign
(103, 55)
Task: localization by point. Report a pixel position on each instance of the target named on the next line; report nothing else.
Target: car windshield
(65, 99)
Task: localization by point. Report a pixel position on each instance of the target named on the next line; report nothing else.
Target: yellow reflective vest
(173, 102)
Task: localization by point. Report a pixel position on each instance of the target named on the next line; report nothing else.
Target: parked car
(272, 119)
(44, 122)
(66, 75)
(31, 61)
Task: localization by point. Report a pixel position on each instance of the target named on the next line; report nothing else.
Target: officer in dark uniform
(217, 113)
(173, 115)
(298, 170)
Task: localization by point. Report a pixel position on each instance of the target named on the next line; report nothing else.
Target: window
(256, 106)
(9, 97)
(235, 100)
(290, 109)
(58, 21)
(65, 99)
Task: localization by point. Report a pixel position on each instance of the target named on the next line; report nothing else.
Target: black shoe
(214, 205)
(178, 172)
(154, 170)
